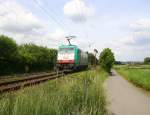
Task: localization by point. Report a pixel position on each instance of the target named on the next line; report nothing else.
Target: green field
(139, 75)
(78, 94)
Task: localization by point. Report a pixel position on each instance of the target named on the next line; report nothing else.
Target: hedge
(24, 58)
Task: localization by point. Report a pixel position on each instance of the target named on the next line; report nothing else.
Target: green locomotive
(71, 57)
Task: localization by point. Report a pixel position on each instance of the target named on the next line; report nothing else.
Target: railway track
(29, 81)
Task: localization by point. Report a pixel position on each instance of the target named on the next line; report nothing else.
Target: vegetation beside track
(24, 58)
(80, 93)
(138, 75)
(28, 58)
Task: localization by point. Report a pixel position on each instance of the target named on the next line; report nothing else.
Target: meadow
(138, 75)
(77, 94)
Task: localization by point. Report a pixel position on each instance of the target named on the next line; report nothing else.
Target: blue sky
(122, 25)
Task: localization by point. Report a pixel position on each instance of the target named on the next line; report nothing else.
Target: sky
(122, 25)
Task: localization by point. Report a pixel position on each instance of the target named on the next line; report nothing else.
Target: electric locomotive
(71, 57)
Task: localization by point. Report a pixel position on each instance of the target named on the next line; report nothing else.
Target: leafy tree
(106, 59)
(8, 55)
(37, 58)
(8, 48)
(147, 60)
(24, 58)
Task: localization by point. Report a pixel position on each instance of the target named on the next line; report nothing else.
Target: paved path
(124, 98)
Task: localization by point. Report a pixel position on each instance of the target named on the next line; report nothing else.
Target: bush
(36, 58)
(106, 59)
(8, 54)
(147, 60)
(24, 58)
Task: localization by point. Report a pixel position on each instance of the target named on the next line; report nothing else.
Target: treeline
(24, 58)
(147, 60)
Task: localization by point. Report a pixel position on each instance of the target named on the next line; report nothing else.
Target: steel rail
(28, 81)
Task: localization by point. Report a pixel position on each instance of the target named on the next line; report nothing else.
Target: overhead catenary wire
(55, 14)
(59, 23)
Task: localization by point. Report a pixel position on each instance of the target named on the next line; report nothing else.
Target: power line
(55, 14)
(49, 15)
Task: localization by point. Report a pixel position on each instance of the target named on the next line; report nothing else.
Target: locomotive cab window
(66, 55)
(66, 50)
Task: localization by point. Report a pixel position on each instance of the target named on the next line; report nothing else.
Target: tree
(106, 59)
(8, 48)
(147, 60)
(24, 58)
(8, 55)
(37, 58)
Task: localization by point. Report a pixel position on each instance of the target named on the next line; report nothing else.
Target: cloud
(141, 25)
(136, 45)
(58, 34)
(14, 18)
(78, 11)
(24, 27)
(135, 40)
(141, 40)
(48, 39)
(140, 35)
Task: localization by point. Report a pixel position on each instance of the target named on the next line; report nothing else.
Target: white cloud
(23, 26)
(14, 18)
(136, 45)
(141, 25)
(58, 34)
(78, 11)
(140, 35)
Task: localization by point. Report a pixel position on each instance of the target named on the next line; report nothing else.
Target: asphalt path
(124, 98)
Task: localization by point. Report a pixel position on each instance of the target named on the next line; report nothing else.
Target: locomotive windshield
(66, 54)
(66, 50)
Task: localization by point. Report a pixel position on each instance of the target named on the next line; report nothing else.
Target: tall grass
(140, 77)
(78, 94)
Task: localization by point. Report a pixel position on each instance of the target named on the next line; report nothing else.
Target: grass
(15, 77)
(78, 94)
(136, 66)
(139, 77)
